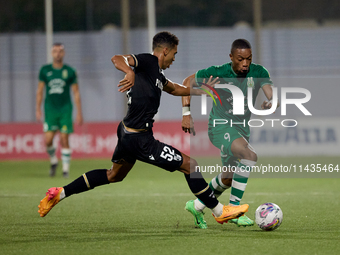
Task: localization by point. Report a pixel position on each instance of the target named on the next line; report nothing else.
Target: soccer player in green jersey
(58, 79)
(232, 139)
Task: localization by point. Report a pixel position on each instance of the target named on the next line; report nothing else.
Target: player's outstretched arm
(123, 63)
(176, 89)
(186, 89)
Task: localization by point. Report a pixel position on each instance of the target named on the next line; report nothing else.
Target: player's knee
(249, 155)
(48, 142)
(193, 165)
(253, 156)
(115, 178)
(119, 171)
(189, 165)
(64, 143)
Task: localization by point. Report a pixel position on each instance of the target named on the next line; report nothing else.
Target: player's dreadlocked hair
(240, 44)
(164, 38)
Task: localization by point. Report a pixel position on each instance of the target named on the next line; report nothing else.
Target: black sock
(86, 182)
(201, 189)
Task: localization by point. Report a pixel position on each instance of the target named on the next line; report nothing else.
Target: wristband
(186, 110)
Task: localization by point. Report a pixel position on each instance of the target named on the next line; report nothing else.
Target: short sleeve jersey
(144, 97)
(257, 77)
(58, 83)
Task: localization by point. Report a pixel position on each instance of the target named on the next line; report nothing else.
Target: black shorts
(144, 147)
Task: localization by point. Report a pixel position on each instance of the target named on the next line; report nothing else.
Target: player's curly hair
(164, 38)
(240, 44)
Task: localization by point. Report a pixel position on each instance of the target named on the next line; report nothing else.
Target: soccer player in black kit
(144, 85)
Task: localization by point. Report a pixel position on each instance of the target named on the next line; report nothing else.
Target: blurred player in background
(233, 142)
(145, 84)
(58, 79)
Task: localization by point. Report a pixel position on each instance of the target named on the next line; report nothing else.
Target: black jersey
(144, 97)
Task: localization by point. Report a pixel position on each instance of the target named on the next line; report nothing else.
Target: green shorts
(58, 121)
(222, 137)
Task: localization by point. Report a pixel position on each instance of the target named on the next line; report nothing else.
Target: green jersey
(58, 83)
(257, 77)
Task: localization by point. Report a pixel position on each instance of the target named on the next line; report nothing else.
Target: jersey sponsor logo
(251, 83)
(159, 84)
(49, 73)
(56, 86)
(64, 74)
(129, 97)
(177, 157)
(64, 128)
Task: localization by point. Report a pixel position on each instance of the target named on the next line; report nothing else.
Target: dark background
(82, 15)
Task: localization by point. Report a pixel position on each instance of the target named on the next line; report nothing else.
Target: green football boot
(242, 221)
(199, 218)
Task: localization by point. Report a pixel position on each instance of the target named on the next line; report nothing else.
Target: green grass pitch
(145, 214)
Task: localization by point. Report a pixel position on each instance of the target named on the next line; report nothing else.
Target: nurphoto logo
(238, 104)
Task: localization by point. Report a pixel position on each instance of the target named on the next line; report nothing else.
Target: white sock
(66, 158)
(217, 186)
(66, 167)
(54, 160)
(62, 194)
(240, 179)
(51, 152)
(199, 206)
(217, 210)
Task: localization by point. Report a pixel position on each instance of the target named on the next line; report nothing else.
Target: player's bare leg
(87, 181)
(202, 191)
(218, 185)
(119, 171)
(242, 149)
(225, 180)
(50, 149)
(244, 221)
(49, 135)
(248, 158)
(65, 153)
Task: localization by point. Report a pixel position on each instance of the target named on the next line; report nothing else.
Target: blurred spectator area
(84, 15)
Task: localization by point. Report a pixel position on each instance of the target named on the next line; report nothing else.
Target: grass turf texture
(144, 214)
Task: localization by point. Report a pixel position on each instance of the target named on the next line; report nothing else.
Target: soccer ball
(268, 216)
